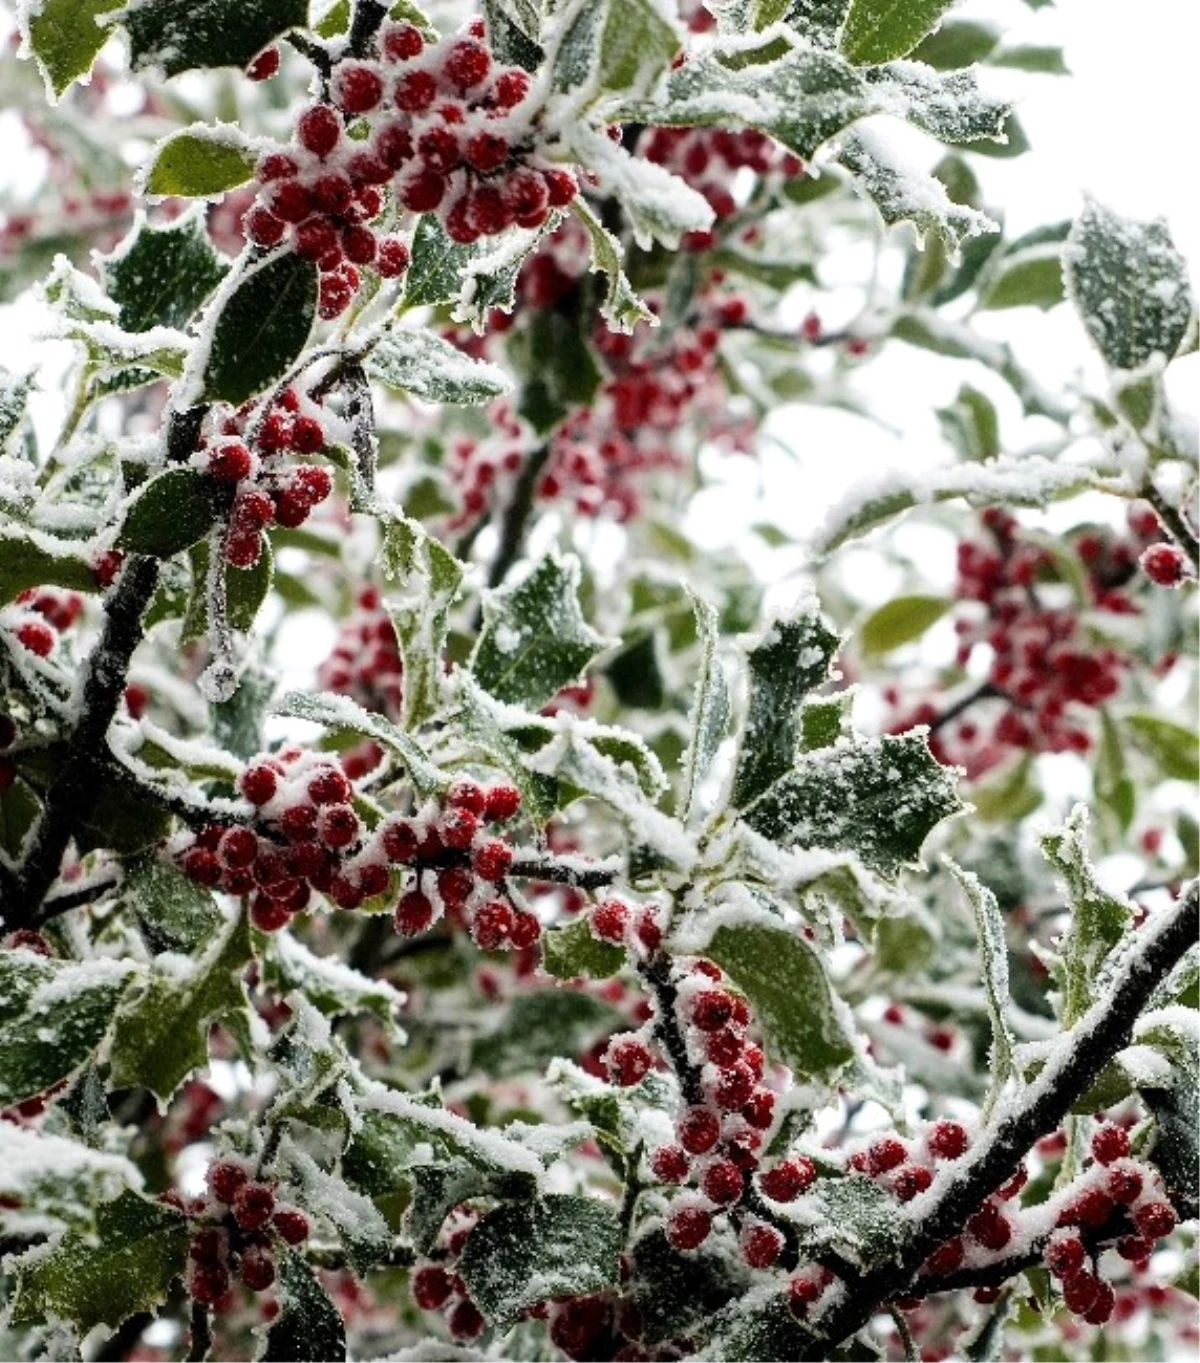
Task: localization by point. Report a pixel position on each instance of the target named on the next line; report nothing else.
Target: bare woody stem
(942, 1213)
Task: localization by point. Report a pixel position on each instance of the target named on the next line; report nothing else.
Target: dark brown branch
(517, 515)
(201, 1341)
(368, 16)
(1176, 526)
(941, 1214)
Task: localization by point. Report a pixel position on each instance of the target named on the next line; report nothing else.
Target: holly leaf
(170, 513)
(420, 363)
(439, 1188)
(676, 1293)
(173, 912)
(877, 797)
(519, 1255)
(792, 658)
(1174, 748)
(788, 990)
(537, 1027)
(708, 721)
(759, 1328)
(622, 309)
(308, 1324)
(900, 621)
(103, 1277)
(261, 328)
(64, 38)
(571, 952)
(1129, 284)
(435, 274)
(161, 1031)
(185, 35)
(878, 31)
(31, 558)
(332, 987)
(160, 276)
(53, 1016)
(204, 161)
(534, 639)
(615, 46)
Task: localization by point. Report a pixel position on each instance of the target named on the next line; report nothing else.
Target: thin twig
(517, 515)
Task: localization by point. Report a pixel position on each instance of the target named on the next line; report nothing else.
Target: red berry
(628, 1060)
(308, 435)
(734, 1086)
(290, 201)
(989, 1227)
(319, 129)
(439, 150)
(1092, 1208)
(422, 191)
(1065, 1258)
(230, 462)
(269, 915)
(1124, 1184)
(263, 227)
(265, 65)
(467, 63)
(723, 1183)
(688, 1227)
(392, 258)
(208, 1245)
(802, 1292)
(647, 931)
(1134, 1248)
(399, 841)
(36, 636)
(413, 914)
(492, 860)
(788, 1179)
(202, 866)
(487, 151)
(329, 787)
(761, 1245)
(275, 165)
(334, 298)
(415, 91)
(670, 1164)
(1102, 1307)
(491, 925)
(1155, 1220)
(1080, 1292)
(528, 197)
(465, 1322)
(338, 826)
(501, 803)
(947, 1140)
(910, 1180)
(208, 1283)
(698, 1129)
(1164, 564)
(431, 1287)
(458, 828)
(224, 1178)
(455, 885)
(258, 1268)
(608, 922)
(724, 1047)
(468, 795)
(760, 1110)
(711, 1010)
(356, 88)
(526, 931)
(367, 170)
(510, 87)
(885, 1154)
(253, 1204)
(561, 187)
(1110, 1144)
(292, 1226)
(402, 42)
(946, 1258)
(258, 784)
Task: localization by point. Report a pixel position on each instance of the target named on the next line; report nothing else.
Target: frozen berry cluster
(39, 616)
(251, 450)
(456, 864)
(365, 662)
(235, 1228)
(449, 130)
(437, 1287)
(709, 160)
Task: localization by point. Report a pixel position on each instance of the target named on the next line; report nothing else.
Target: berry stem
(201, 1334)
(1173, 520)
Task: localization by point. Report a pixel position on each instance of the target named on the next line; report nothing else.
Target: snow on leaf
(538, 1026)
(65, 38)
(420, 363)
(622, 309)
(331, 986)
(173, 912)
(949, 105)
(786, 983)
(53, 1016)
(1129, 285)
(613, 46)
(881, 30)
(708, 720)
(203, 161)
(184, 35)
(993, 955)
(161, 1029)
(676, 1293)
(877, 797)
(50, 1174)
(439, 1188)
(1173, 1032)
(308, 1324)
(757, 1328)
(519, 1255)
(158, 277)
(170, 512)
(101, 1278)
(1099, 920)
(794, 657)
(534, 639)
(570, 952)
(358, 1223)
(32, 558)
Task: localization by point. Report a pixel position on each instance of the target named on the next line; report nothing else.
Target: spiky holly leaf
(173, 912)
(201, 162)
(65, 38)
(170, 512)
(439, 1188)
(186, 35)
(159, 276)
(537, 1027)
(881, 30)
(308, 1324)
(1129, 284)
(571, 952)
(53, 1015)
(615, 47)
(677, 1293)
(103, 1277)
(534, 639)
(31, 558)
(420, 363)
(519, 1255)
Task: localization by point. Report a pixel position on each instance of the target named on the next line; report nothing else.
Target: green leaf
(860, 1213)
(539, 1026)
(948, 105)
(332, 987)
(879, 31)
(676, 1293)
(971, 424)
(341, 713)
(103, 1277)
(1115, 791)
(14, 397)
(1174, 748)
(173, 912)
(161, 1032)
(793, 658)
(789, 993)
(877, 797)
(358, 1223)
(1176, 1106)
(160, 276)
(184, 35)
(429, 583)
(560, 371)
(438, 265)
(615, 46)
(30, 558)
(19, 808)
(1046, 61)
(957, 43)
(53, 1016)
(245, 591)
(1129, 284)
(993, 958)
(708, 721)
(201, 162)
(261, 328)
(308, 1325)
(900, 621)
(1029, 278)
(1010, 796)
(65, 38)
(561, 1246)
(1099, 920)
(571, 952)
(420, 363)
(534, 639)
(622, 309)
(170, 513)
(759, 1329)
(439, 1188)
(635, 673)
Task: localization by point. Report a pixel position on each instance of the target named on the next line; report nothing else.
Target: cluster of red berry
(450, 129)
(437, 1287)
(249, 449)
(236, 1226)
(709, 159)
(365, 662)
(39, 615)
(457, 867)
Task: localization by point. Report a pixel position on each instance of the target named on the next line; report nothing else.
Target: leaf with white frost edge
(708, 721)
(622, 309)
(420, 363)
(203, 161)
